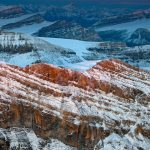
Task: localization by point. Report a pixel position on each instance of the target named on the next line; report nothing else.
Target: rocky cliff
(106, 106)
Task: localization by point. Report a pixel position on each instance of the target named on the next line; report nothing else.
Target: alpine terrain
(74, 75)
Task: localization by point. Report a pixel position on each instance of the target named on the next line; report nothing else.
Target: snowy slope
(13, 20)
(45, 49)
(134, 33)
(3, 7)
(80, 47)
(129, 26)
(22, 138)
(117, 142)
(82, 66)
(66, 52)
(107, 104)
(42, 51)
(30, 29)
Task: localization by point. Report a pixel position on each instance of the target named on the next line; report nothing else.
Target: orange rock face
(76, 108)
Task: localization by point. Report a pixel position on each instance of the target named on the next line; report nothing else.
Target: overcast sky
(106, 2)
(120, 1)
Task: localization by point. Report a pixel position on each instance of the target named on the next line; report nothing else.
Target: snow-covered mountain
(68, 30)
(132, 31)
(28, 23)
(124, 18)
(92, 52)
(10, 11)
(73, 12)
(21, 49)
(141, 36)
(101, 104)
(72, 22)
(104, 107)
(35, 19)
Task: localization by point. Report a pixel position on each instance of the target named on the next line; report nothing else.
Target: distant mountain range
(131, 28)
(71, 22)
(134, 4)
(68, 30)
(74, 78)
(21, 49)
(35, 19)
(10, 11)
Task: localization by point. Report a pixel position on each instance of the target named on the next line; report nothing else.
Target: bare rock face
(83, 110)
(25, 139)
(68, 30)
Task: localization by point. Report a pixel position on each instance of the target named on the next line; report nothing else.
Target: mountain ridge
(79, 109)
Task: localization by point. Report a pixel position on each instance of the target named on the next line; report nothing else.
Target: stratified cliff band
(105, 106)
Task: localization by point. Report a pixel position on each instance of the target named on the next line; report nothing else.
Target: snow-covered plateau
(23, 49)
(76, 54)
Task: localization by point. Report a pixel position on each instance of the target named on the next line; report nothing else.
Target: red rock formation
(76, 108)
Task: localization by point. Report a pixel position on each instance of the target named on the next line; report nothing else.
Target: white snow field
(129, 26)
(51, 50)
(80, 47)
(16, 19)
(30, 29)
(77, 46)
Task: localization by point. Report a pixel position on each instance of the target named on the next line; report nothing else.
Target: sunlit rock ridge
(104, 107)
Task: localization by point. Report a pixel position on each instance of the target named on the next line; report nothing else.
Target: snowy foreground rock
(46, 107)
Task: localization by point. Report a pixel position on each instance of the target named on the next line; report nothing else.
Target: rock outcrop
(22, 49)
(10, 11)
(68, 30)
(79, 109)
(140, 36)
(21, 138)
